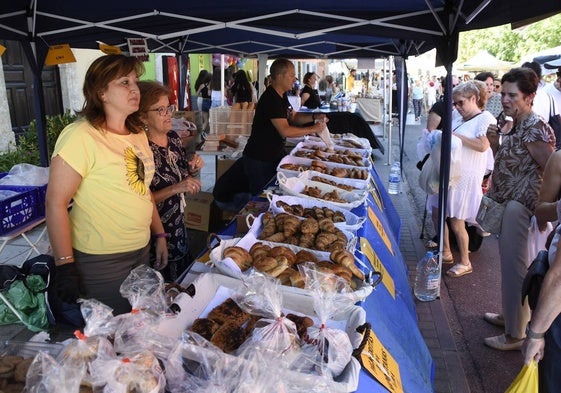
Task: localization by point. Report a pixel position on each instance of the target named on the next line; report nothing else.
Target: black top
(205, 93)
(265, 143)
(438, 108)
(313, 100)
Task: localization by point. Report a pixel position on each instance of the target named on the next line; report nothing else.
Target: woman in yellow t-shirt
(103, 163)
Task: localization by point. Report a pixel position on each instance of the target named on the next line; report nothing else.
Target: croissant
(279, 221)
(284, 252)
(338, 217)
(326, 225)
(293, 240)
(291, 226)
(307, 240)
(324, 239)
(276, 237)
(269, 226)
(337, 245)
(345, 258)
(305, 256)
(259, 249)
(309, 225)
(340, 235)
(242, 258)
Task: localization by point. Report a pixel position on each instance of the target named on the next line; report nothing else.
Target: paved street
(464, 299)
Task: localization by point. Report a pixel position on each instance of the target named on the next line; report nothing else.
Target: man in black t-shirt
(273, 122)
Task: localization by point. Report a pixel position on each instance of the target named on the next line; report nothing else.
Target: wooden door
(19, 86)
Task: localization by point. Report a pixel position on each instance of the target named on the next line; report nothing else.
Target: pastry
(291, 226)
(305, 256)
(283, 251)
(205, 327)
(228, 311)
(229, 337)
(240, 256)
(20, 372)
(310, 225)
(326, 225)
(268, 224)
(259, 249)
(302, 324)
(345, 258)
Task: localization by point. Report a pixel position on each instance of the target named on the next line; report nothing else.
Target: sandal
(447, 259)
(459, 270)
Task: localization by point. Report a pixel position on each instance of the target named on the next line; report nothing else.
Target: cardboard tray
(212, 289)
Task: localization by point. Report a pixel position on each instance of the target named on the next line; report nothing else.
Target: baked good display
(13, 372)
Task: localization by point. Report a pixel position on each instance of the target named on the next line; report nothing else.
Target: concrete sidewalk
(433, 323)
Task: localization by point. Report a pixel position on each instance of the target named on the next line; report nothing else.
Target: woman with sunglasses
(469, 124)
(173, 177)
(103, 163)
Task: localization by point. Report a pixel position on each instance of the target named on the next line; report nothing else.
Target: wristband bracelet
(533, 335)
(65, 258)
(159, 235)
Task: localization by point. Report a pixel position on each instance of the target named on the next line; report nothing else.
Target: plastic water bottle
(394, 178)
(427, 281)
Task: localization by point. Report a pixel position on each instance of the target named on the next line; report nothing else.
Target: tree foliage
(511, 45)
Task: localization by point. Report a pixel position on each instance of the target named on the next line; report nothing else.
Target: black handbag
(534, 279)
(555, 123)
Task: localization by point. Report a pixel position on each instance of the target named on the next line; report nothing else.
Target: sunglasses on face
(164, 110)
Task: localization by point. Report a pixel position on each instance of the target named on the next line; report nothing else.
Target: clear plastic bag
(331, 349)
(138, 330)
(46, 375)
(140, 373)
(26, 175)
(274, 334)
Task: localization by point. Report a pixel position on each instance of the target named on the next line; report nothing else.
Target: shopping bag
(537, 238)
(24, 301)
(526, 381)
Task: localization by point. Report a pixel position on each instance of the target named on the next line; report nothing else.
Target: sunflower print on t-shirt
(135, 171)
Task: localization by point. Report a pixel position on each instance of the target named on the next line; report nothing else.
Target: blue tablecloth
(390, 309)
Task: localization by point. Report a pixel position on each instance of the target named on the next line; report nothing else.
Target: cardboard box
(222, 166)
(199, 211)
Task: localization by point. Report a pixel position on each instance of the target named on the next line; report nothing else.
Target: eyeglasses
(163, 110)
(459, 103)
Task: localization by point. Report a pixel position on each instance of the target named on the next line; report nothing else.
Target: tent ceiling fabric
(350, 28)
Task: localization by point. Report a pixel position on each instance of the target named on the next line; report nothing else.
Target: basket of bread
(306, 207)
(320, 191)
(292, 166)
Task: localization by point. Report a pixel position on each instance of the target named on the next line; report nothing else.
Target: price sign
(138, 48)
(379, 362)
(380, 229)
(377, 265)
(59, 54)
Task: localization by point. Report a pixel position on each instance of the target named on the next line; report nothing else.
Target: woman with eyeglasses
(174, 175)
(517, 178)
(103, 163)
(469, 124)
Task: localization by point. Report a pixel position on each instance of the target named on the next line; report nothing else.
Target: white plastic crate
(225, 120)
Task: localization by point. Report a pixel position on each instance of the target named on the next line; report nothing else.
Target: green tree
(511, 45)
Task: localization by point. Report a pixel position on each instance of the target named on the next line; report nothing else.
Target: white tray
(295, 186)
(310, 145)
(307, 162)
(256, 228)
(367, 164)
(352, 221)
(229, 268)
(213, 289)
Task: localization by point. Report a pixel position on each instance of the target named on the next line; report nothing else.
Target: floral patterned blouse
(517, 176)
(171, 168)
